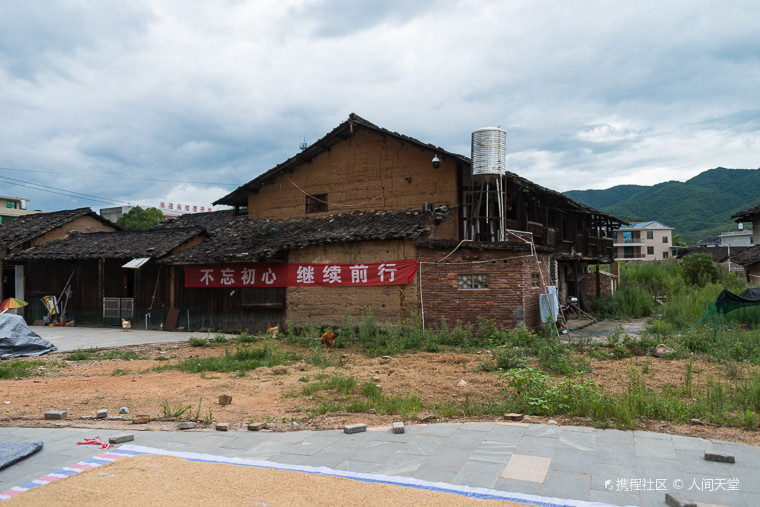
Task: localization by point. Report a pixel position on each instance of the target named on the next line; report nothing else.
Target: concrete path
(609, 466)
(74, 338)
(600, 331)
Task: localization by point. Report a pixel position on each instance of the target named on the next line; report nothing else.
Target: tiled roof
(28, 227)
(122, 244)
(211, 222)
(746, 215)
(572, 204)
(749, 255)
(239, 196)
(248, 240)
(720, 254)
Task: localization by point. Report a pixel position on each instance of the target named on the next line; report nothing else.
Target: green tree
(138, 218)
(699, 269)
(677, 240)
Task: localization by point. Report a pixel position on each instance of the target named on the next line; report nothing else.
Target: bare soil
(274, 395)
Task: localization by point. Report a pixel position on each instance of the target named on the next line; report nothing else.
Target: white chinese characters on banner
(302, 275)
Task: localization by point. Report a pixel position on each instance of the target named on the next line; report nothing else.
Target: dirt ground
(274, 395)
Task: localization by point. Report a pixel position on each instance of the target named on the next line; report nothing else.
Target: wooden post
(172, 280)
(101, 281)
(598, 283)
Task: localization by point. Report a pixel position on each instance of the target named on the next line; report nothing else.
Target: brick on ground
(354, 428)
(121, 438)
(678, 500)
(720, 457)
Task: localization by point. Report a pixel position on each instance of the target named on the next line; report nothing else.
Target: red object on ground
(95, 441)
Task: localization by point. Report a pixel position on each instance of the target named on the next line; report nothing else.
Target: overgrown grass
(96, 355)
(245, 358)
(733, 403)
(341, 393)
(19, 369)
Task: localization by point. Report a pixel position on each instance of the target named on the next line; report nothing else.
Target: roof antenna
(303, 144)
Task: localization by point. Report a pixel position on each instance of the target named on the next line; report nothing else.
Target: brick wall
(509, 300)
(607, 286)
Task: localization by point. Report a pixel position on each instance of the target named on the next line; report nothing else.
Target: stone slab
(121, 438)
(678, 500)
(354, 428)
(56, 414)
(522, 467)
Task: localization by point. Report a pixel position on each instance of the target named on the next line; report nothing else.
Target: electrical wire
(59, 191)
(120, 177)
(330, 203)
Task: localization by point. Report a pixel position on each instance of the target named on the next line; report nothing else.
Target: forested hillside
(701, 206)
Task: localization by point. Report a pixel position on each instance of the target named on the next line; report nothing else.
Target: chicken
(125, 324)
(329, 339)
(273, 330)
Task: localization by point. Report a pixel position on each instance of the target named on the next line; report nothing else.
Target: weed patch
(18, 369)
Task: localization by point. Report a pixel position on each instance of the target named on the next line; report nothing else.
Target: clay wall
(329, 305)
(366, 172)
(84, 224)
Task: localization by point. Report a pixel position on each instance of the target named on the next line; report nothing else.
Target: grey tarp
(17, 339)
(13, 452)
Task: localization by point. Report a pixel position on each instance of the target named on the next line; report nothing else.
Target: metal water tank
(489, 152)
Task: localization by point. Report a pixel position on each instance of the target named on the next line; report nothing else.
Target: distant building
(643, 241)
(113, 214)
(13, 207)
(740, 237)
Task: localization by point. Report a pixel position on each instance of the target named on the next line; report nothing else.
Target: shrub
(198, 342)
(699, 269)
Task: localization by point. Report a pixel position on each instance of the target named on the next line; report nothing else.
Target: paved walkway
(609, 466)
(600, 331)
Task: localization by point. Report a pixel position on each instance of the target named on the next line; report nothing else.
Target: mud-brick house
(102, 277)
(749, 258)
(30, 230)
(366, 219)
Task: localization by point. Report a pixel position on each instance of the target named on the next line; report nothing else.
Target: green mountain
(699, 207)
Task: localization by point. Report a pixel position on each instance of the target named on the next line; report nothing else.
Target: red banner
(302, 275)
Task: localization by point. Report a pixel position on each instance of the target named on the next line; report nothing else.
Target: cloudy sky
(104, 103)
